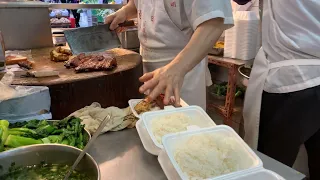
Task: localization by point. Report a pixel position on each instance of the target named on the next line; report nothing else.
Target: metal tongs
(86, 148)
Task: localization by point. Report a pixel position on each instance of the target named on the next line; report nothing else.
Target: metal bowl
(245, 77)
(48, 153)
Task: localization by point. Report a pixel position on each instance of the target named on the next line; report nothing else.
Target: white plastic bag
(23, 102)
(7, 92)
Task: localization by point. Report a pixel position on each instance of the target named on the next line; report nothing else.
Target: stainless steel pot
(48, 153)
(129, 38)
(244, 77)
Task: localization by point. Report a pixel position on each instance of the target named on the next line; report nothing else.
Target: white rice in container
(210, 155)
(167, 124)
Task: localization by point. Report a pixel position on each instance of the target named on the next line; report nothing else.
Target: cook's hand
(115, 19)
(168, 79)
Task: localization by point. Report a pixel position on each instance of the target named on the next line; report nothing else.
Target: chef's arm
(169, 79)
(203, 39)
(128, 11)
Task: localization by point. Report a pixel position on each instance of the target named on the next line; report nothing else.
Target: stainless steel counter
(121, 156)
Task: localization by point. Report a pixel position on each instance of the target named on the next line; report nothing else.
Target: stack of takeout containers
(242, 40)
(200, 124)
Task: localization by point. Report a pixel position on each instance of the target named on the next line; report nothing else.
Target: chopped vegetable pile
(68, 131)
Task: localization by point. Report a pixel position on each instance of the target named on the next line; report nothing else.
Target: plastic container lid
(172, 141)
(146, 139)
(197, 115)
(262, 174)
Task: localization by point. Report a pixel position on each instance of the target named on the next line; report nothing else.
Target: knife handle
(127, 23)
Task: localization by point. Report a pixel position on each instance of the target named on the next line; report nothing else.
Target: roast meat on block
(92, 62)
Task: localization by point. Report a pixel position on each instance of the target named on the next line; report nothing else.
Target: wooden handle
(127, 23)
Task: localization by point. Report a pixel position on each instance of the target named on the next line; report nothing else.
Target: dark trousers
(289, 120)
(76, 15)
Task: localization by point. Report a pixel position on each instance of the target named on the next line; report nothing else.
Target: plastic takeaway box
(133, 102)
(173, 141)
(197, 115)
(262, 174)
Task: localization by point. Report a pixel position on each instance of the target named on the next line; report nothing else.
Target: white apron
(161, 40)
(253, 97)
(258, 76)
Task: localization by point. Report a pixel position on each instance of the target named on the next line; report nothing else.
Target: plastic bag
(23, 102)
(7, 92)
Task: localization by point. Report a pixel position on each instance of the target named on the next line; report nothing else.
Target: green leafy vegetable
(68, 131)
(3, 133)
(54, 138)
(17, 141)
(222, 88)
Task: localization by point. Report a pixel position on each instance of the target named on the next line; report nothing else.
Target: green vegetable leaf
(17, 141)
(4, 124)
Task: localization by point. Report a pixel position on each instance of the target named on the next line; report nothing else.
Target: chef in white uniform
(282, 101)
(175, 37)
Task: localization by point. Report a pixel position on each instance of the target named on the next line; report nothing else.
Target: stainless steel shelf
(84, 6)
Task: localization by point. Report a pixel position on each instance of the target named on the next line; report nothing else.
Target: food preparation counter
(121, 156)
(71, 91)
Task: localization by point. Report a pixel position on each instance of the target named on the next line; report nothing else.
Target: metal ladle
(86, 148)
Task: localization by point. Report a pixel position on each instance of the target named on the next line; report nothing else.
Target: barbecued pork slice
(95, 64)
(74, 62)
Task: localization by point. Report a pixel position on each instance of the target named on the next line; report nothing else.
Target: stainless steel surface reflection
(121, 156)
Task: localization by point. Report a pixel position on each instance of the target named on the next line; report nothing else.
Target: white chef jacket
(298, 37)
(166, 26)
(157, 42)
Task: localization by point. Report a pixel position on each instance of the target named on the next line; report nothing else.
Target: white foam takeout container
(133, 102)
(172, 141)
(197, 115)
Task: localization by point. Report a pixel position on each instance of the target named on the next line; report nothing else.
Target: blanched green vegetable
(3, 133)
(17, 141)
(68, 131)
(54, 138)
(45, 130)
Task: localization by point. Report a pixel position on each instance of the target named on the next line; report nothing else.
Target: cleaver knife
(93, 39)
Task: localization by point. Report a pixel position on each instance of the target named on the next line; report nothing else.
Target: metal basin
(245, 75)
(129, 38)
(48, 153)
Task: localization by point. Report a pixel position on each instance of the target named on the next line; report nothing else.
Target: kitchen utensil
(245, 73)
(49, 154)
(38, 74)
(93, 39)
(2, 54)
(86, 148)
